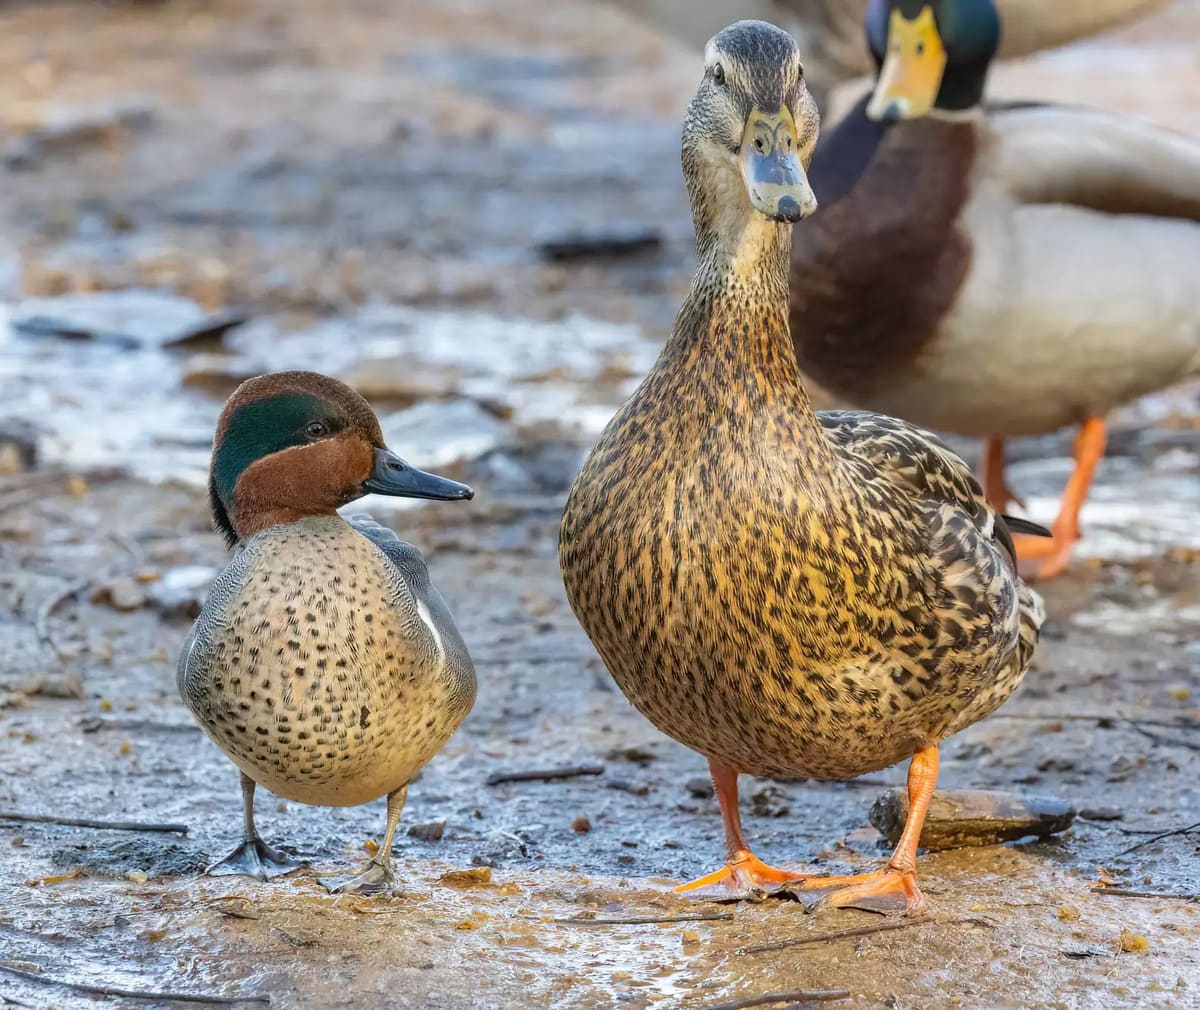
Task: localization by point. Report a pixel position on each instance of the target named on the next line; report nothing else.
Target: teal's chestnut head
(751, 128)
(295, 444)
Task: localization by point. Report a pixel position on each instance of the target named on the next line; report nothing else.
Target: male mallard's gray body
(325, 664)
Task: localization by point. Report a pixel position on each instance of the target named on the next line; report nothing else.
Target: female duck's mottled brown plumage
(787, 592)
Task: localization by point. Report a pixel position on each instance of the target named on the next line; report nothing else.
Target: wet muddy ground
(385, 190)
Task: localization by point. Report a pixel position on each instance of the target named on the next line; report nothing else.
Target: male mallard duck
(830, 31)
(790, 593)
(995, 270)
(324, 663)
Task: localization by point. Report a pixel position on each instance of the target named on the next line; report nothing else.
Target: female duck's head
(750, 130)
(931, 54)
(296, 444)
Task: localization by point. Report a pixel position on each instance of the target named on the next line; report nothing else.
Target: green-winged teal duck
(995, 270)
(324, 663)
(790, 593)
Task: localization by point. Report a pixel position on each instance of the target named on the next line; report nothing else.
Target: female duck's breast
(314, 682)
(727, 620)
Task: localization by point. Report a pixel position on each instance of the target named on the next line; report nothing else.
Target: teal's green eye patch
(265, 426)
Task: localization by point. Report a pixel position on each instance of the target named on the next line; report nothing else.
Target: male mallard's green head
(750, 129)
(931, 54)
(297, 444)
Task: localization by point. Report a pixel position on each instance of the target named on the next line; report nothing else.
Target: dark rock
(962, 818)
(602, 245)
(431, 832)
(18, 446)
(1101, 814)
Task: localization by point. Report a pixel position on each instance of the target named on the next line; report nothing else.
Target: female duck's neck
(735, 317)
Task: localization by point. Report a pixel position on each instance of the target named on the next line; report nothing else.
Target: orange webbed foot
(1041, 558)
(888, 891)
(743, 871)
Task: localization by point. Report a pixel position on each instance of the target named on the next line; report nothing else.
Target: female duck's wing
(1061, 154)
(412, 583)
(920, 462)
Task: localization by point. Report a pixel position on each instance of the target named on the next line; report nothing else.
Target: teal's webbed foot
(255, 858)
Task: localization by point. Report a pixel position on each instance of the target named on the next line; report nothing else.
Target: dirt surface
(370, 183)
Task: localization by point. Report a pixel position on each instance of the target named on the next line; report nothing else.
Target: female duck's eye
(718, 73)
(920, 48)
(316, 429)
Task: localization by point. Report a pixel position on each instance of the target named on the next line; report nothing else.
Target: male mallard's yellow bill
(393, 476)
(771, 167)
(912, 73)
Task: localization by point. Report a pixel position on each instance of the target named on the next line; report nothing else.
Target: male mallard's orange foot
(1043, 557)
(744, 871)
(888, 891)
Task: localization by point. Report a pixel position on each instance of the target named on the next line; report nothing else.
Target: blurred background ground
(399, 193)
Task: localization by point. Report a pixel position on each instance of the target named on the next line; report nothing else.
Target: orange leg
(894, 888)
(1043, 558)
(743, 869)
(995, 487)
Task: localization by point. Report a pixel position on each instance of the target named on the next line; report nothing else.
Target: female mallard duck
(324, 664)
(995, 271)
(790, 593)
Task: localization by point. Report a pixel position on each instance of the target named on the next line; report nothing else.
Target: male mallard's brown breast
(881, 264)
(309, 676)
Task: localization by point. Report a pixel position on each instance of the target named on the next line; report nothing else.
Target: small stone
(137, 876)
(699, 787)
(1068, 913)
(963, 818)
(690, 937)
(1101, 814)
(467, 878)
(126, 748)
(1181, 693)
(370, 846)
(124, 594)
(1133, 943)
(431, 832)
(581, 825)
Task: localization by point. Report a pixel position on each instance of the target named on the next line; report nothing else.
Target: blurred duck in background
(830, 32)
(995, 270)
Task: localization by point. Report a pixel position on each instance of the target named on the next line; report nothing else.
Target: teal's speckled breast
(325, 665)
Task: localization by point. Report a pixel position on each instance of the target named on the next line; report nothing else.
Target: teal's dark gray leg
(377, 876)
(254, 857)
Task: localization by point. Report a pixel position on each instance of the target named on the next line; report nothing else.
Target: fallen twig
(545, 774)
(1166, 741)
(93, 723)
(886, 926)
(832, 935)
(157, 997)
(1124, 892)
(790, 996)
(86, 822)
(1190, 829)
(1074, 717)
(46, 610)
(646, 920)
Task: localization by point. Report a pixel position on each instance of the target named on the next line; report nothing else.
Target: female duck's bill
(770, 159)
